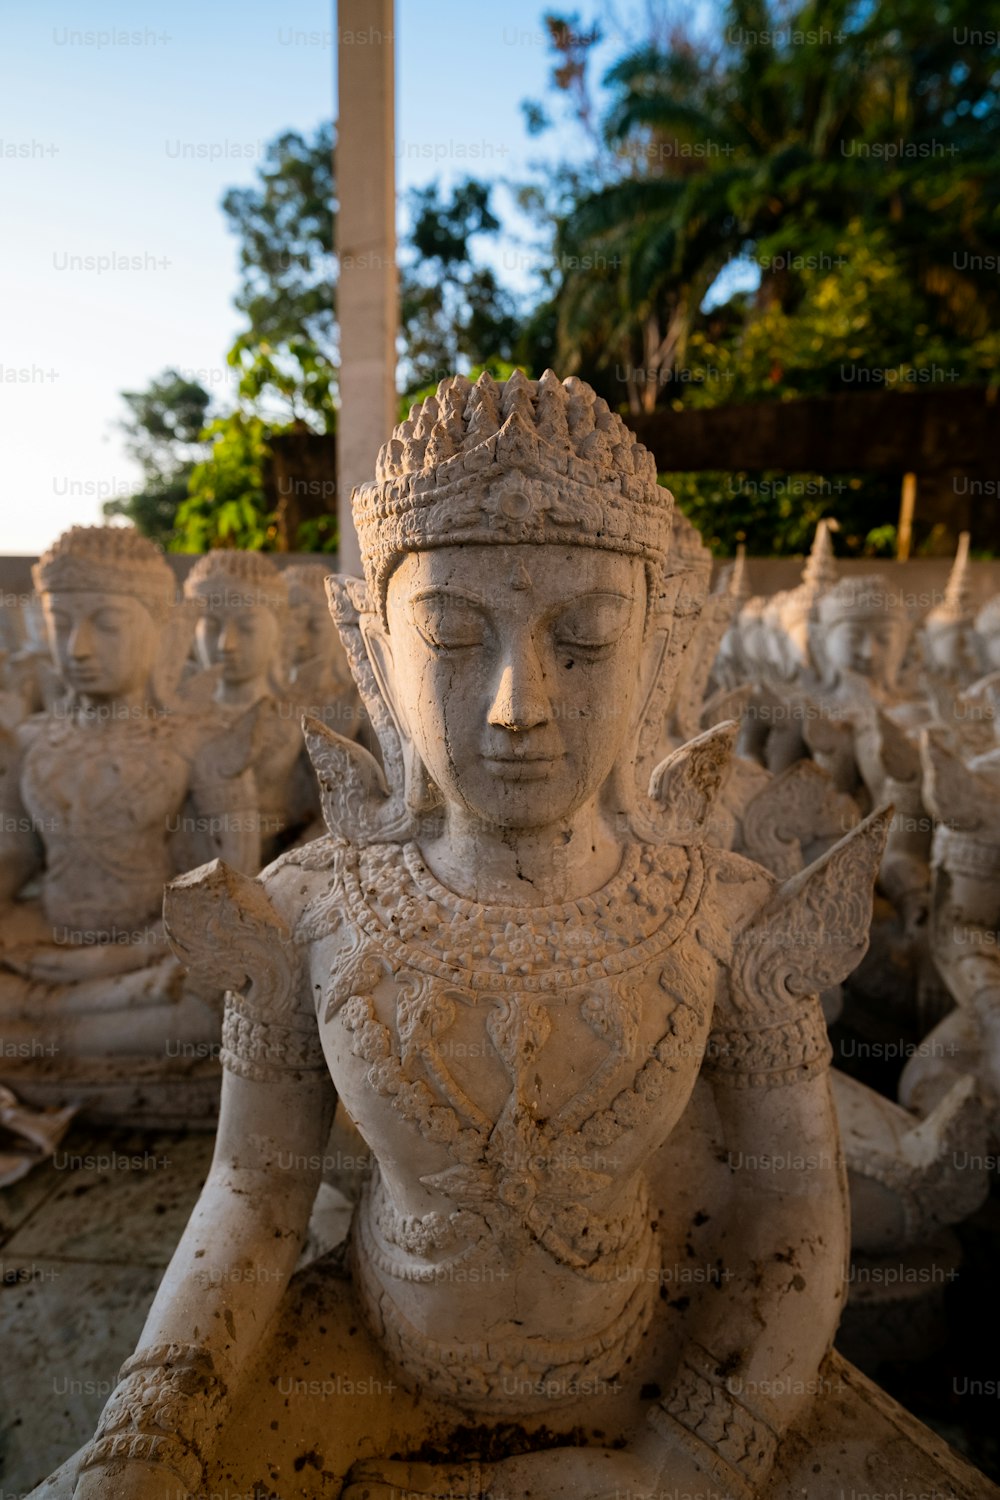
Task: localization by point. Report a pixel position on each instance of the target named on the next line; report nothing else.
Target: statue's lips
(522, 767)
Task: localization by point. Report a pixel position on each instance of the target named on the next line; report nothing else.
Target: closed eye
(592, 624)
(448, 623)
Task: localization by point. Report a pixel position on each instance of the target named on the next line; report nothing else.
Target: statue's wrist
(160, 1414)
(703, 1418)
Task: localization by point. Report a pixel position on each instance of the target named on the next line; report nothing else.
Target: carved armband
(793, 1050)
(726, 1439)
(162, 1412)
(257, 1048)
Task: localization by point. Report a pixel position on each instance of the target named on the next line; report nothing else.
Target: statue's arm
(21, 852)
(225, 798)
(234, 1261)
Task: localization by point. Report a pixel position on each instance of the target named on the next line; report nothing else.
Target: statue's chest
(474, 1045)
(591, 1063)
(105, 782)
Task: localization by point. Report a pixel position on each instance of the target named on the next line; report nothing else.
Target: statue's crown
(229, 579)
(107, 560)
(510, 461)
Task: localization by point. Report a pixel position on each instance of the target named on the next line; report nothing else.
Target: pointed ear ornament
(685, 787)
(814, 929)
(362, 801)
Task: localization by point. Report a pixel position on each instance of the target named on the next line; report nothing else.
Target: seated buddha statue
(244, 632)
(95, 793)
(857, 641)
(584, 1048)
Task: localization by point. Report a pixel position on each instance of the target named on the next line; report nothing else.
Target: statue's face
(513, 670)
(242, 639)
(945, 645)
(103, 644)
(312, 630)
(866, 644)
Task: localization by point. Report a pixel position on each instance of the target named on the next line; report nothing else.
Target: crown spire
(820, 571)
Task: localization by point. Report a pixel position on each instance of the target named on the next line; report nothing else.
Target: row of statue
(570, 868)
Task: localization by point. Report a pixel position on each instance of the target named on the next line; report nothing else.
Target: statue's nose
(81, 642)
(520, 701)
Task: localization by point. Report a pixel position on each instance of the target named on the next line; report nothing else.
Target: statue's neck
(100, 708)
(523, 867)
(243, 694)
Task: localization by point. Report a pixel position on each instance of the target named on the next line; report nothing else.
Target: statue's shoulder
(294, 879)
(315, 889)
(236, 935)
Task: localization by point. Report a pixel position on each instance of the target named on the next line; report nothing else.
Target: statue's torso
(513, 1070)
(102, 798)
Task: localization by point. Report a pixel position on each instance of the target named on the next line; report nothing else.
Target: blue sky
(121, 124)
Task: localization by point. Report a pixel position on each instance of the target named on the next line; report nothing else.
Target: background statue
(95, 793)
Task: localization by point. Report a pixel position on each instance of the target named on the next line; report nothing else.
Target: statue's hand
(69, 964)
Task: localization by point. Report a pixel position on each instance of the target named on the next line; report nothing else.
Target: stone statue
(245, 631)
(320, 674)
(987, 635)
(585, 1049)
(965, 934)
(946, 636)
(94, 795)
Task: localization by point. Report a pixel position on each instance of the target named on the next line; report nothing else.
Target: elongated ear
(814, 929)
(419, 791)
(170, 689)
(350, 607)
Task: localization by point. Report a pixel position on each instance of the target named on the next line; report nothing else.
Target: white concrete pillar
(367, 294)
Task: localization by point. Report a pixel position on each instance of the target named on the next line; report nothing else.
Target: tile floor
(83, 1243)
(84, 1240)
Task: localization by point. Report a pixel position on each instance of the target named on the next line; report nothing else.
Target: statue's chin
(530, 806)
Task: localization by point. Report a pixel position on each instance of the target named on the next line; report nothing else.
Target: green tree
(287, 355)
(163, 435)
(768, 143)
(454, 313)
